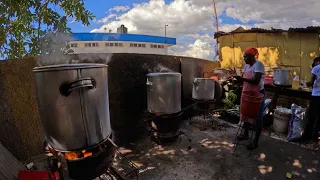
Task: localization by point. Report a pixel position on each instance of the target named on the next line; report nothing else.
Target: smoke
(56, 51)
(48, 60)
(158, 68)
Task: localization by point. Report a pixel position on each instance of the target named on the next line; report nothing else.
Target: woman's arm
(313, 78)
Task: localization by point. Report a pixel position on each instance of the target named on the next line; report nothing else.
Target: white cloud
(106, 19)
(150, 18)
(183, 17)
(119, 8)
(192, 22)
(202, 48)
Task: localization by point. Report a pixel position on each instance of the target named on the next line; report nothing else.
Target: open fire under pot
(74, 110)
(164, 105)
(203, 94)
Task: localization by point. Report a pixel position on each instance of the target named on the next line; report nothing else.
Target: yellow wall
(293, 51)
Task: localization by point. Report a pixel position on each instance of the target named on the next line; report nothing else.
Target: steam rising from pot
(56, 52)
(158, 68)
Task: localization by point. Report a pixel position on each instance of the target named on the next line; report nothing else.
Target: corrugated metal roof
(122, 37)
(9, 165)
(310, 29)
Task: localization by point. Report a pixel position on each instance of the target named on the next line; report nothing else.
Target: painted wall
(125, 49)
(293, 51)
(21, 129)
(20, 126)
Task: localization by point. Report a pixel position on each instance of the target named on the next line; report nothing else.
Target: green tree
(33, 27)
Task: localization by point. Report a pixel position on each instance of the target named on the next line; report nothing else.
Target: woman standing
(313, 125)
(253, 80)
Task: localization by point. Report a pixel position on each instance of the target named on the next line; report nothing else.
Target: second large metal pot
(164, 93)
(73, 104)
(281, 77)
(203, 89)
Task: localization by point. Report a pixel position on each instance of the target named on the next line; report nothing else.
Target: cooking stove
(165, 128)
(95, 163)
(204, 106)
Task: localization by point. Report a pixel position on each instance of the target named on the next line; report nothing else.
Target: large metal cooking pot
(164, 93)
(73, 104)
(281, 77)
(203, 89)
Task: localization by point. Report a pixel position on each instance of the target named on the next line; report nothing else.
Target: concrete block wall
(21, 129)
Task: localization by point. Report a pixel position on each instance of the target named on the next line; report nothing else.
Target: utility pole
(165, 37)
(217, 23)
(215, 15)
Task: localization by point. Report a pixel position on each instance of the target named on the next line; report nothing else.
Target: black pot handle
(67, 88)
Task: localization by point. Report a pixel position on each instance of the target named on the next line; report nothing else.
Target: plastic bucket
(250, 103)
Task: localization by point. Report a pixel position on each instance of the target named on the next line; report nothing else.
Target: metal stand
(240, 131)
(64, 167)
(203, 107)
(165, 129)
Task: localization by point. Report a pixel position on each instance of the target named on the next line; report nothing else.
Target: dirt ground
(204, 152)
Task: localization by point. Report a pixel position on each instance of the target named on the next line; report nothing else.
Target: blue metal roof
(122, 37)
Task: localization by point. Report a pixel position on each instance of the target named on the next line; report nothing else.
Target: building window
(116, 44)
(139, 45)
(120, 44)
(87, 44)
(74, 45)
(135, 45)
(131, 45)
(106, 44)
(151, 46)
(143, 45)
(111, 44)
(95, 44)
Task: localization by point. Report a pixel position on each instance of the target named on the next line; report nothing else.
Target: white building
(120, 43)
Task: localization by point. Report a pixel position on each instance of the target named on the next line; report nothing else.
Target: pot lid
(60, 67)
(164, 74)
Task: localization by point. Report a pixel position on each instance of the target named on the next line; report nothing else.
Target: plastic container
(281, 123)
(250, 103)
(37, 175)
(268, 80)
(296, 83)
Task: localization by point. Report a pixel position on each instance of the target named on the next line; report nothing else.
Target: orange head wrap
(252, 51)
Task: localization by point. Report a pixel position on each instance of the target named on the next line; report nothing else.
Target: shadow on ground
(207, 154)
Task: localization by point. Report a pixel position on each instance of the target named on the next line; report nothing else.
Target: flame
(71, 155)
(79, 154)
(215, 78)
(87, 154)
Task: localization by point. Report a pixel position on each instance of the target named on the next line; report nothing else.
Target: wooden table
(287, 91)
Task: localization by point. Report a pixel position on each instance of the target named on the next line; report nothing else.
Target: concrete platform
(207, 154)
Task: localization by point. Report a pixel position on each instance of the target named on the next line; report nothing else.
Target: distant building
(293, 49)
(120, 43)
(122, 30)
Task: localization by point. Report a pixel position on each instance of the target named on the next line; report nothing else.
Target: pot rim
(204, 79)
(164, 74)
(60, 67)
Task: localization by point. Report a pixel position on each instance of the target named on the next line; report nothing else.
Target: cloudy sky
(192, 21)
